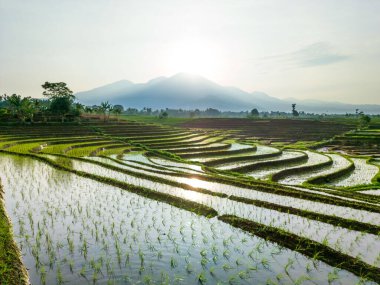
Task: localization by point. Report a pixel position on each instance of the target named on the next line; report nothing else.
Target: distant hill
(191, 91)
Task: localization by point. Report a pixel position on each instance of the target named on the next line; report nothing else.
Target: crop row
(13, 271)
(177, 201)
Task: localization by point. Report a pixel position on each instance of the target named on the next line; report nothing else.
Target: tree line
(58, 104)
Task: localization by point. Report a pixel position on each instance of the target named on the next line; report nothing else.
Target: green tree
(117, 110)
(3, 110)
(163, 115)
(14, 104)
(22, 108)
(61, 98)
(79, 107)
(57, 90)
(31, 107)
(88, 109)
(294, 111)
(105, 108)
(254, 112)
(42, 107)
(364, 120)
(61, 106)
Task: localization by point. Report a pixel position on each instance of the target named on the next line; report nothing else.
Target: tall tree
(363, 121)
(61, 98)
(294, 111)
(88, 109)
(117, 110)
(22, 108)
(105, 108)
(163, 115)
(57, 90)
(254, 112)
(61, 106)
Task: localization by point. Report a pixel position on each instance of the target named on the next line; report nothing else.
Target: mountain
(187, 91)
(316, 106)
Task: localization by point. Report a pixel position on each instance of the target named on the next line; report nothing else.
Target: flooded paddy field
(175, 209)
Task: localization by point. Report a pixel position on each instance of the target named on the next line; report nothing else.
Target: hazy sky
(317, 49)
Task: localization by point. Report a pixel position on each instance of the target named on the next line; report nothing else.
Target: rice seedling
(59, 275)
(100, 219)
(202, 278)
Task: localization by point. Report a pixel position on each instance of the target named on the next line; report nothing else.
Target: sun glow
(194, 182)
(194, 56)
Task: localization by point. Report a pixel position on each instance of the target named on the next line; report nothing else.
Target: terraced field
(273, 130)
(363, 142)
(128, 203)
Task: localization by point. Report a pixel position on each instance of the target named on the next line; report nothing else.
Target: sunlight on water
(193, 196)
(194, 182)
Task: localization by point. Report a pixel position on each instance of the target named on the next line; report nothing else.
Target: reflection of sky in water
(261, 149)
(284, 155)
(301, 226)
(339, 162)
(108, 220)
(362, 174)
(313, 159)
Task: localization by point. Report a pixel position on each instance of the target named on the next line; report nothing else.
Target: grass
(330, 219)
(12, 270)
(305, 246)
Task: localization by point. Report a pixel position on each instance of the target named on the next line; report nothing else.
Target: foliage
(117, 110)
(212, 112)
(105, 109)
(12, 270)
(303, 245)
(61, 106)
(22, 108)
(163, 115)
(294, 111)
(254, 112)
(272, 200)
(364, 121)
(57, 90)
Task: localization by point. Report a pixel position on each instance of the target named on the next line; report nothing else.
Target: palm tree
(14, 103)
(79, 107)
(88, 109)
(105, 108)
(117, 110)
(22, 108)
(29, 108)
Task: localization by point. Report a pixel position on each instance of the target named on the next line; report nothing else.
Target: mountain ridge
(188, 91)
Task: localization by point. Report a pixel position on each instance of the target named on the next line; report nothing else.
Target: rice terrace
(122, 201)
(193, 142)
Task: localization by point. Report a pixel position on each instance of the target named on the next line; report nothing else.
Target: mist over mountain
(188, 91)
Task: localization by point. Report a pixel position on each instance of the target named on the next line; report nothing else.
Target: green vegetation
(12, 270)
(305, 246)
(206, 172)
(171, 121)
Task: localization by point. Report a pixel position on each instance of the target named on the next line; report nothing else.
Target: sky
(315, 49)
